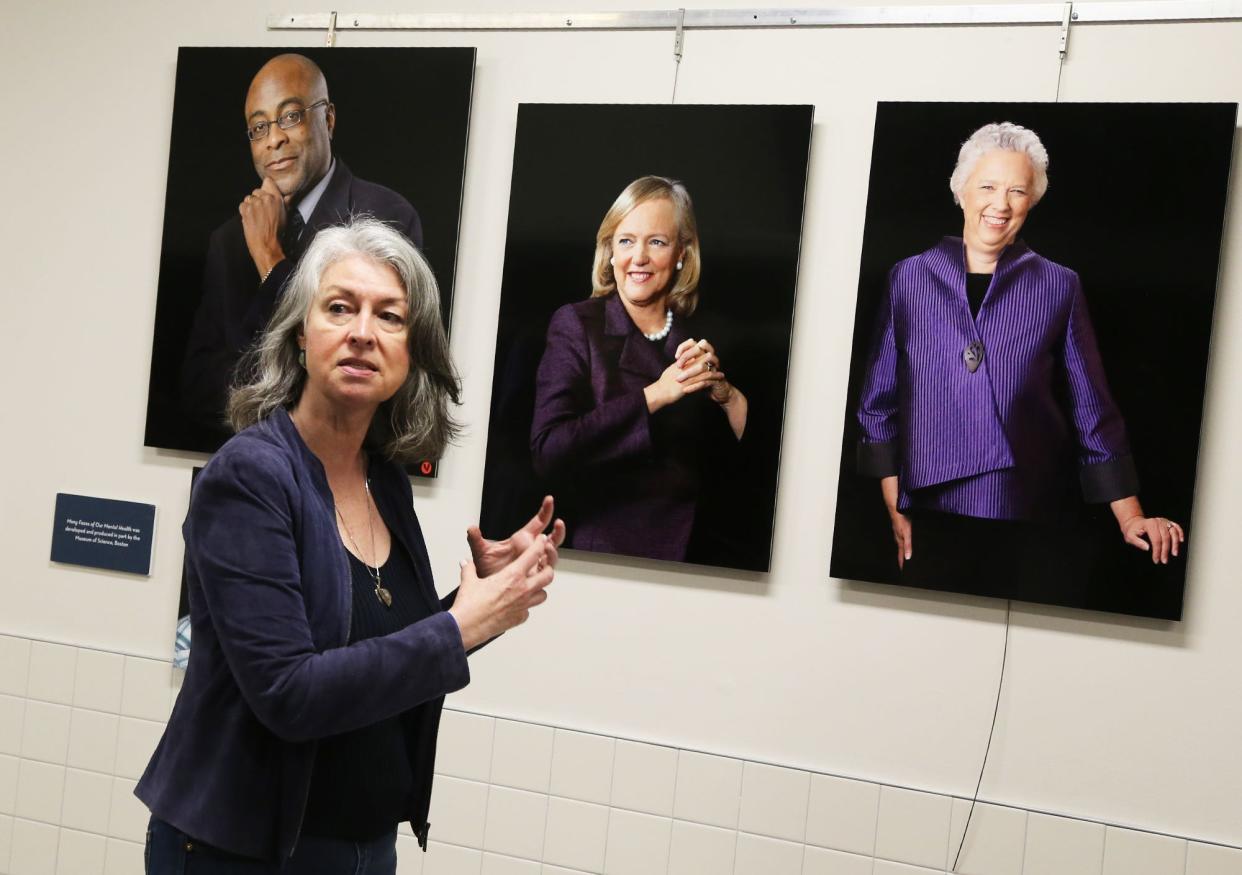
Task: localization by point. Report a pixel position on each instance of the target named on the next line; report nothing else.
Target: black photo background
(745, 168)
(1135, 205)
(402, 116)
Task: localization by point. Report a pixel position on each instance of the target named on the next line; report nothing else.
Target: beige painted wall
(1126, 721)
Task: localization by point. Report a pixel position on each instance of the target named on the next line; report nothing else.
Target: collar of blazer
(953, 251)
(335, 204)
(641, 356)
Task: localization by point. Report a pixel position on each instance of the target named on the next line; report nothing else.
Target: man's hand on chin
(263, 218)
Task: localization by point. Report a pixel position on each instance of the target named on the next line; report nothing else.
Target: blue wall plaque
(103, 533)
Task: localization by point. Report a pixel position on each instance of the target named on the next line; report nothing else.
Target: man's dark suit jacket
(236, 306)
(635, 478)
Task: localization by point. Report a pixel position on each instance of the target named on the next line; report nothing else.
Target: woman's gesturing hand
(490, 556)
(695, 368)
(487, 606)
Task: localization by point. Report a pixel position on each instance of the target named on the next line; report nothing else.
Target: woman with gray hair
(305, 729)
(985, 382)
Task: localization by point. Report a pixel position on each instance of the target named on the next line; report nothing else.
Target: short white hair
(1008, 137)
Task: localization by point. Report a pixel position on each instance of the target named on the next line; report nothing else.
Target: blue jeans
(172, 852)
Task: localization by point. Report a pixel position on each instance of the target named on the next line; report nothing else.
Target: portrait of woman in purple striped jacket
(984, 376)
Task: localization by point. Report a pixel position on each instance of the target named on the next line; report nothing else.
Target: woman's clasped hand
(696, 367)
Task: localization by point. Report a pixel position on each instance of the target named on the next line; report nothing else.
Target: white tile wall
(81, 853)
(637, 844)
(409, 856)
(577, 834)
(774, 801)
(6, 841)
(1062, 846)
(887, 867)
(516, 822)
(92, 740)
(98, 681)
(146, 690)
(40, 789)
(52, 669)
(1127, 852)
(1203, 859)
(12, 714)
(994, 842)
(644, 777)
(760, 855)
(464, 749)
(512, 798)
(821, 861)
(122, 857)
(128, 817)
(842, 814)
(700, 850)
(522, 756)
(45, 732)
(445, 859)
(495, 864)
(582, 766)
(135, 742)
(913, 827)
(34, 848)
(14, 666)
(459, 811)
(87, 802)
(708, 789)
(8, 784)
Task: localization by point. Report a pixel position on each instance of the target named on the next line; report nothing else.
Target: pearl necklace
(663, 332)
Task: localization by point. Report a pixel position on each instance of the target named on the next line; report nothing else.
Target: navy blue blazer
(236, 305)
(270, 672)
(635, 478)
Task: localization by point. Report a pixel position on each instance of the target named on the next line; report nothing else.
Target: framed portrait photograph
(1030, 348)
(643, 343)
(270, 146)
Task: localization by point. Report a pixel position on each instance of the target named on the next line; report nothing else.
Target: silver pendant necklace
(381, 593)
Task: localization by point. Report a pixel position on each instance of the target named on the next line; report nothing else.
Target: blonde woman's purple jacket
(960, 403)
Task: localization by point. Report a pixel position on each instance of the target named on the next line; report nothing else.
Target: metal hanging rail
(1098, 12)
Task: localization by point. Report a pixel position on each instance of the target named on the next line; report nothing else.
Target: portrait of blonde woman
(629, 397)
(643, 339)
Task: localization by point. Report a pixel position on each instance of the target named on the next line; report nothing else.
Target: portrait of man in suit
(639, 376)
(1009, 391)
(303, 187)
(300, 141)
